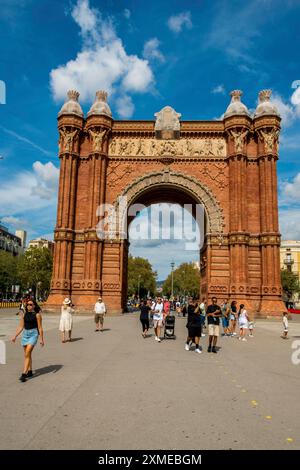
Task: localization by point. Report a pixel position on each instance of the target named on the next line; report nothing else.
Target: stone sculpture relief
(153, 147)
(239, 140)
(66, 140)
(270, 140)
(97, 138)
(167, 120)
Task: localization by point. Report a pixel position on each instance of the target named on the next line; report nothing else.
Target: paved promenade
(116, 390)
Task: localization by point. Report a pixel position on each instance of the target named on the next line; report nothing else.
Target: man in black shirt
(213, 315)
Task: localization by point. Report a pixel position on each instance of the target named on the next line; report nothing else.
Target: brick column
(267, 129)
(237, 130)
(70, 127)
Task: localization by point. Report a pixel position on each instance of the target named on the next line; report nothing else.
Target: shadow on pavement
(76, 339)
(47, 370)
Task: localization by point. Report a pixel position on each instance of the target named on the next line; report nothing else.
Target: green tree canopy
(8, 272)
(290, 283)
(140, 273)
(186, 281)
(35, 269)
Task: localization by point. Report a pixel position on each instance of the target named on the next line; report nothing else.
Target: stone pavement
(116, 390)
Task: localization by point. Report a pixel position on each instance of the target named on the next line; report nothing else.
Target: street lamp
(139, 286)
(172, 289)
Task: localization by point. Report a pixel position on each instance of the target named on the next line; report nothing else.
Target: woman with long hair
(243, 322)
(233, 317)
(31, 326)
(66, 320)
(144, 317)
(194, 326)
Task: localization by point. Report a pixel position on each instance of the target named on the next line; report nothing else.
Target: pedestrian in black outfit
(213, 315)
(144, 317)
(193, 326)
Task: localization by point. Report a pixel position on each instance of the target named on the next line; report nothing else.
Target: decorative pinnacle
(236, 95)
(73, 95)
(265, 95)
(101, 95)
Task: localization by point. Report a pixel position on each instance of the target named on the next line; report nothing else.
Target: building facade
(290, 259)
(10, 242)
(227, 166)
(42, 243)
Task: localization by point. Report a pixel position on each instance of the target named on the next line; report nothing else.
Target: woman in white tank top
(243, 322)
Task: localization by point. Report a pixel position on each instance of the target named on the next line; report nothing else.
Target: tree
(186, 281)
(141, 277)
(35, 270)
(8, 272)
(290, 283)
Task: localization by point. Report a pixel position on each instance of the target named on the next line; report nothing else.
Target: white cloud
(219, 89)
(289, 220)
(290, 191)
(29, 191)
(15, 222)
(125, 106)
(127, 13)
(286, 110)
(177, 22)
(151, 50)
(103, 62)
(295, 98)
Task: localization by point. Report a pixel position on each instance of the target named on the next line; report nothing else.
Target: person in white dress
(243, 322)
(66, 320)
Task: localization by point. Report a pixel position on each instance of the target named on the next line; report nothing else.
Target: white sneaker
(202, 335)
(251, 336)
(198, 351)
(234, 334)
(156, 338)
(240, 338)
(186, 347)
(244, 339)
(159, 340)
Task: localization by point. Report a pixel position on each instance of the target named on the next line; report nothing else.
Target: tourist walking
(233, 318)
(167, 307)
(31, 326)
(285, 325)
(158, 316)
(178, 308)
(66, 320)
(213, 314)
(225, 318)
(203, 315)
(194, 326)
(251, 328)
(243, 322)
(100, 311)
(144, 317)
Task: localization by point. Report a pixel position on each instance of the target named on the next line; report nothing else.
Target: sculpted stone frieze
(97, 139)
(66, 139)
(270, 140)
(158, 148)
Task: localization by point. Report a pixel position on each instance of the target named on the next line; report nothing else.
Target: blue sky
(188, 54)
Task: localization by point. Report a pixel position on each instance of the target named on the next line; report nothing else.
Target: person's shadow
(75, 339)
(47, 370)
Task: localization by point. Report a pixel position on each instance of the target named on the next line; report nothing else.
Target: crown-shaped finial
(73, 95)
(236, 95)
(101, 95)
(265, 95)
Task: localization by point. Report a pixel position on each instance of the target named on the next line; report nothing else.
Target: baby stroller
(169, 327)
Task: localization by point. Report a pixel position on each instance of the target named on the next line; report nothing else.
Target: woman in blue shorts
(31, 326)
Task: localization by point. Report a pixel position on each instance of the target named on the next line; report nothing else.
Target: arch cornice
(198, 190)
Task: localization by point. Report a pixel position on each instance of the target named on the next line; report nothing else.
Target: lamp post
(139, 287)
(172, 279)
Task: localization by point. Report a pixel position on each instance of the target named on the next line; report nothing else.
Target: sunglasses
(30, 304)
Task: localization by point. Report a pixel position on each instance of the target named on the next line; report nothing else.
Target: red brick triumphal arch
(228, 166)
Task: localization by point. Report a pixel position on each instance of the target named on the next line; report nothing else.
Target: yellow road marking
(290, 439)
(254, 402)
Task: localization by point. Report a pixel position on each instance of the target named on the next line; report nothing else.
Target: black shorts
(195, 331)
(145, 323)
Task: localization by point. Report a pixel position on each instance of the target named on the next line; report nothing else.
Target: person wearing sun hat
(100, 311)
(66, 320)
